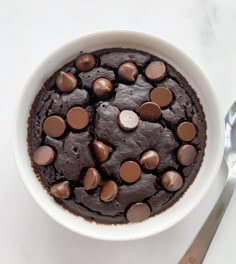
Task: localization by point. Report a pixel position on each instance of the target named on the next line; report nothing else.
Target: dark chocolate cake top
(116, 135)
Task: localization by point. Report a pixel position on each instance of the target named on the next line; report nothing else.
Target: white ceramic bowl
(213, 151)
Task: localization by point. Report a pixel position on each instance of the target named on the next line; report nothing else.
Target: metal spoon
(199, 247)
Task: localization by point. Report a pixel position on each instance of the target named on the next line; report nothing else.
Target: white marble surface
(32, 29)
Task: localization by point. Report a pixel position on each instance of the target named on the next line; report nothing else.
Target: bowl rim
(107, 236)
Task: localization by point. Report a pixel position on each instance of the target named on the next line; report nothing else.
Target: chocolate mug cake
(116, 135)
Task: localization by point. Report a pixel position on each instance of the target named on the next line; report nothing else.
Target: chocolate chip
(172, 181)
(109, 191)
(101, 151)
(54, 126)
(66, 82)
(128, 120)
(161, 96)
(138, 212)
(85, 62)
(155, 71)
(186, 154)
(186, 131)
(61, 190)
(44, 155)
(150, 160)
(92, 179)
(130, 171)
(78, 117)
(102, 88)
(128, 72)
(150, 111)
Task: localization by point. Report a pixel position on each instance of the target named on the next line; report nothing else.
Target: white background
(30, 30)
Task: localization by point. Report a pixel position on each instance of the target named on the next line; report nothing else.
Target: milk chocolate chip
(128, 120)
(186, 131)
(54, 126)
(150, 111)
(155, 71)
(101, 151)
(127, 72)
(66, 82)
(85, 62)
(109, 191)
(61, 190)
(138, 212)
(130, 171)
(78, 118)
(172, 181)
(161, 96)
(92, 179)
(44, 155)
(150, 160)
(102, 88)
(186, 154)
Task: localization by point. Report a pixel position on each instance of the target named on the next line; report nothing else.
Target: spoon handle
(199, 247)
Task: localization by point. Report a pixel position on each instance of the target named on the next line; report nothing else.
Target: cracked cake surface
(116, 135)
